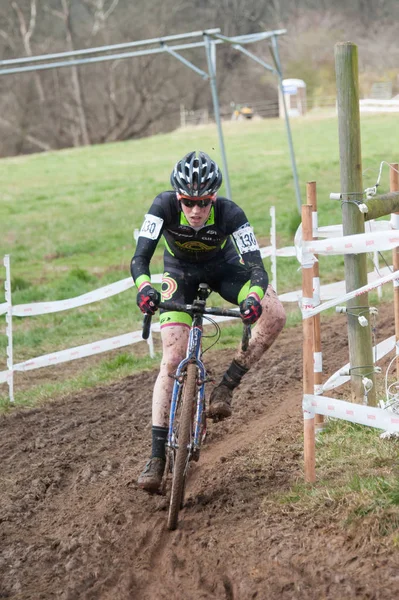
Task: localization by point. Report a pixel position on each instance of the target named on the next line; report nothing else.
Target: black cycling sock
(159, 437)
(233, 375)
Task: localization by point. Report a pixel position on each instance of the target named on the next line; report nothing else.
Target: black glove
(250, 309)
(148, 299)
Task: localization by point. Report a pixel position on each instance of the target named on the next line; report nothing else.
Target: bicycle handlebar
(206, 310)
(190, 308)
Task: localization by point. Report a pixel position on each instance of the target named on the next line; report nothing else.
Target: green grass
(107, 370)
(357, 477)
(68, 217)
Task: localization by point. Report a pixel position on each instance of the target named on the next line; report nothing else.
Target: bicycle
(187, 419)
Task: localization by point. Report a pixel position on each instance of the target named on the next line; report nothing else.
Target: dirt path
(74, 525)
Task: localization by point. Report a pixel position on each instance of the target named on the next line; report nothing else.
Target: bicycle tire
(185, 426)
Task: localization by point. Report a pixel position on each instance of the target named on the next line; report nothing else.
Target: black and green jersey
(226, 235)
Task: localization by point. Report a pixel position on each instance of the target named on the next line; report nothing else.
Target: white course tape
(55, 358)
(332, 290)
(318, 362)
(287, 251)
(305, 258)
(316, 291)
(62, 356)
(366, 288)
(351, 244)
(42, 308)
(381, 350)
(355, 413)
(315, 221)
(337, 230)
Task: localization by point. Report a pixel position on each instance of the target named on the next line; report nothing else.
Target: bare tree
(102, 10)
(27, 31)
(65, 15)
(139, 96)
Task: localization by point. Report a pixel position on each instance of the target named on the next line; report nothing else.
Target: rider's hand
(148, 299)
(250, 309)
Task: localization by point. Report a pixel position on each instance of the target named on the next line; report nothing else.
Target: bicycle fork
(196, 437)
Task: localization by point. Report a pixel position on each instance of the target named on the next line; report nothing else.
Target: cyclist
(207, 240)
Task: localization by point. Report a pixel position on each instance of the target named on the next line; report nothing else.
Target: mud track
(74, 525)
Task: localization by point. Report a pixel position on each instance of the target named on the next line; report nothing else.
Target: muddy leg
(174, 344)
(264, 333)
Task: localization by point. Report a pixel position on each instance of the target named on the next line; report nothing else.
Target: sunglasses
(202, 203)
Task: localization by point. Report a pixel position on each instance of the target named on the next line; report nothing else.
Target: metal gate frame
(210, 39)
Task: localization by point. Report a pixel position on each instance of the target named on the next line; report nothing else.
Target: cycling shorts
(225, 275)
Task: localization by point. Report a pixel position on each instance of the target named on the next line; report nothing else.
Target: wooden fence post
(394, 187)
(311, 198)
(359, 338)
(308, 379)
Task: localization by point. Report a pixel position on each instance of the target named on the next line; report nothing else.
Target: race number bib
(151, 227)
(245, 239)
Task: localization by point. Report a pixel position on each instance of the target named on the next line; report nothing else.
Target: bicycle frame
(194, 351)
(193, 355)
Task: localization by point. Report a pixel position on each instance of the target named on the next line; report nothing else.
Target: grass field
(67, 220)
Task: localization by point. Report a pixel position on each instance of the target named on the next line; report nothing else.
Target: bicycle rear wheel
(182, 454)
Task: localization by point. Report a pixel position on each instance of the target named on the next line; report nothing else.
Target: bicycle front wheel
(184, 438)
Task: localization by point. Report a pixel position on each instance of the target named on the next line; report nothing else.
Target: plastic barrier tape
(287, 251)
(354, 244)
(337, 230)
(382, 349)
(355, 413)
(56, 358)
(366, 288)
(41, 308)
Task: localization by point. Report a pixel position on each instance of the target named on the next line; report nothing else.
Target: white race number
(151, 227)
(245, 239)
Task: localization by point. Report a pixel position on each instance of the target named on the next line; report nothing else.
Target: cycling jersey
(226, 235)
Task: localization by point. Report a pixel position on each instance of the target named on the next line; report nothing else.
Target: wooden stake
(308, 327)
(394, 187)
(311, 198)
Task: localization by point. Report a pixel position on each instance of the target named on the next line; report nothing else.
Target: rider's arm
(149, 235)
(259, 276)
(247, 246)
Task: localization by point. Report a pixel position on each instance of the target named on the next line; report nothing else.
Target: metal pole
(104, 58)
(275, 54)
(272, 213)
(10, 361)
(113, 47)
(394, 187)
(210, 55)
(185, 61)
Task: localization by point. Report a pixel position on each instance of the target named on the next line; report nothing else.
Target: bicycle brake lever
(246, 336)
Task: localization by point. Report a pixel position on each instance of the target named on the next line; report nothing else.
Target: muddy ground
(74, 525)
